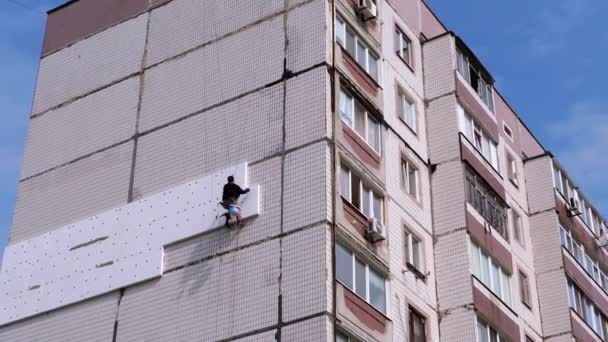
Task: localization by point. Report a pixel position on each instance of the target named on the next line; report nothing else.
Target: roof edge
(65, 4)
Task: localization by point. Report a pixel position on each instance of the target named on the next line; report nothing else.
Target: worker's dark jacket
(232, 192)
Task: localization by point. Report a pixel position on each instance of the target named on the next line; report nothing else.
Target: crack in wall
(286, 75)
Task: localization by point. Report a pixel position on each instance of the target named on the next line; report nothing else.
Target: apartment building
(395, 194)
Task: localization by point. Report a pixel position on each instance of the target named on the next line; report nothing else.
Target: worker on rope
(230, 197)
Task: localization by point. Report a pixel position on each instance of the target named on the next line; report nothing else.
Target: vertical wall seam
(131, 194)
(285, 78)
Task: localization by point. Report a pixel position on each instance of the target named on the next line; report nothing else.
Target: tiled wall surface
(89, 321)
(75, 71)
(134, 97)
(98, 139)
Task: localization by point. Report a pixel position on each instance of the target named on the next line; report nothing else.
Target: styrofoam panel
(91, 63)
(124, 246)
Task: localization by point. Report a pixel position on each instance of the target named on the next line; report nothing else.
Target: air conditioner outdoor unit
(574, 209)
(375, 230)
(367, 9)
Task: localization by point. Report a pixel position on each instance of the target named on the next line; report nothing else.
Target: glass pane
(493, 335)
(373, 67)
(413, 179)
(350, 42)
(377, 296)
(362, 55)
(360, 282)
(496, 279)
(557, 179)
(493, 154)
(340, 32)
(475, 260)
(482, 331)
(341, 338)
(506, 288)
(365, 202)
(418, 329)
(485, 148)
(345, 183)
(360, 120)
(407, 247)
(398, 42)
(377, 207)
(344, 266)
(355, 189)
(373, 134)
(416, 253)
(485, 269)
(346, 108)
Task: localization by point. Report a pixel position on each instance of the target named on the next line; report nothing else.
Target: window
(360, 195)
(479, 82)
(403, 46)
(485, 333)
(407, 111)
(516, 223)
(358, 118)
(524, 289)
(417, 326)
(590, 265)
(358, 276)
(478, 137)
(409, 174)
(512, 169)
(356, 48)
(486, 202)
(507, 130)
(414, 251)
(340, 337)
(489, 272)
(590, 313)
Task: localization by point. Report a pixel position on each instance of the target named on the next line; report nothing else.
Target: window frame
(413, 315)
(343, 28)
(478, 137)
(484, 90)
(587, 310)
(371, 193)
(524, 289)
(409, 253)
(368, 270)
(352, 102)
(517, 228)
(400, 38)
(491, 334)
(407, 101)
(512, 170)
(486, 202)
(490, 271)
(407, 169)
(586, 262)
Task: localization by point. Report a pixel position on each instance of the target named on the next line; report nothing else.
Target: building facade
(396, 196)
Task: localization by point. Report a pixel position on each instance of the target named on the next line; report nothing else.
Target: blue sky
(548, 57)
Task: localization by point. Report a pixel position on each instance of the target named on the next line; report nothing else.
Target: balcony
(495, 312)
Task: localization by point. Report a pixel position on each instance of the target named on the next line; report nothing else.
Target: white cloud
(582, 144)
